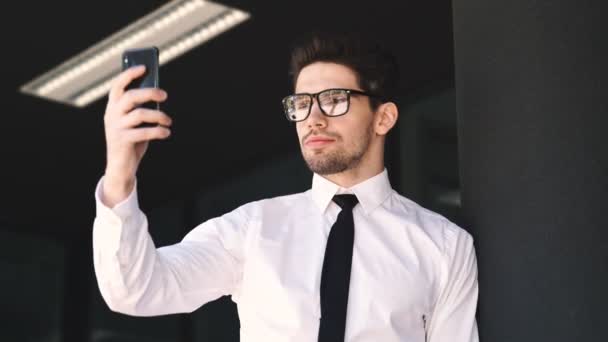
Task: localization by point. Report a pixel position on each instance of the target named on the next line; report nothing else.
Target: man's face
(333, 144)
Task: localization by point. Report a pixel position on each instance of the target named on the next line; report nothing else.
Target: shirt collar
(370, 193)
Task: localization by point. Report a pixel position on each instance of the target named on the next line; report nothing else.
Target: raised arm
(136, 278)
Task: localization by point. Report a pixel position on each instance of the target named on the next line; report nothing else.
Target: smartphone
(147, 56)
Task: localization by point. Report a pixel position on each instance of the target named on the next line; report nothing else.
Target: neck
(352, 177)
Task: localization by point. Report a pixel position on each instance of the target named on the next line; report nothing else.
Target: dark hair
(376, 68)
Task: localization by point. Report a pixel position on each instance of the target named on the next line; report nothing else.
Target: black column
(532, 102)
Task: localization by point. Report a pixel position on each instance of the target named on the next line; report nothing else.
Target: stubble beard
(338, 160)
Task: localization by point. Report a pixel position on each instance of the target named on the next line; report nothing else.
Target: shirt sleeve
(453, 319)
(136, 278)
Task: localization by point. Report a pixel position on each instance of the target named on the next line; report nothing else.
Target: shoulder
(444, 232)
(250, 215)
(275, 205)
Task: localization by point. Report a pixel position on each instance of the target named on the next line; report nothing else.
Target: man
(348, 260)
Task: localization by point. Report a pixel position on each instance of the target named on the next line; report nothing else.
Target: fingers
(121, 101)
(123, 79)
(120, 119)
(146, 134)
(141, 115)
(135, 97)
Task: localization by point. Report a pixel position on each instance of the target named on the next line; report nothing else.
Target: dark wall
(531, 82)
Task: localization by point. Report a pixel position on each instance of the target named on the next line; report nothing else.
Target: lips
(318, 141)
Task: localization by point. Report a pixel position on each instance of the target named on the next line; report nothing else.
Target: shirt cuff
(121, 211)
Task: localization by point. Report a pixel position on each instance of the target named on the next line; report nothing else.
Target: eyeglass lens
(333, 102)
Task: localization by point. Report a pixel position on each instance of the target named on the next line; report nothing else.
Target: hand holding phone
(126, 142)
(150, 79)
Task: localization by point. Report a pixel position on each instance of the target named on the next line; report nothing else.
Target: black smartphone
(147, 56)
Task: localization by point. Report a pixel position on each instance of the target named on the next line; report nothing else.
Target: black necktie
(335, 277)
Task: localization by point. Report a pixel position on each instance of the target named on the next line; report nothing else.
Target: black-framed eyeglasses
(332, 102)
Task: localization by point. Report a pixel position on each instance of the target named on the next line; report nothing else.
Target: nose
(316, 118)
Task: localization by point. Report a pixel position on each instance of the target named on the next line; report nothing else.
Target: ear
(386, 118)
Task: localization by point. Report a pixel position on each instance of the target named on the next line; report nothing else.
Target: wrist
(117, 175)
(116, 189)
(118, 180)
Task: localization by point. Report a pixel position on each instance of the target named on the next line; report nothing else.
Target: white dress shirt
(413, 278)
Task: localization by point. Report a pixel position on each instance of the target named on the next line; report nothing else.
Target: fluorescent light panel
(174, 28)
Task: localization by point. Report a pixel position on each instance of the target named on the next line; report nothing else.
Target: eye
(339, 98)
(326, 100)
(302, 104)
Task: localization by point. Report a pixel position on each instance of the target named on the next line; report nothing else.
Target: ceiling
(224, 98)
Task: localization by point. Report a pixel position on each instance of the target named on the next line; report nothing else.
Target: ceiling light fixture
(174, 28)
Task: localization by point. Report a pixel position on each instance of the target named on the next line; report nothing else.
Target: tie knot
(346, 201)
